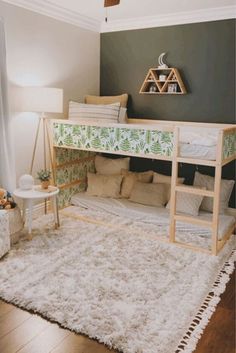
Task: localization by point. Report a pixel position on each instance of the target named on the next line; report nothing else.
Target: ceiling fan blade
(108, 3)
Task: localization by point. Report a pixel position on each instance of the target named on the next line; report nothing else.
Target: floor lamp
(42, 100)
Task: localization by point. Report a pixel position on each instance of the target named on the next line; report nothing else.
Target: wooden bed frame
(154, 129)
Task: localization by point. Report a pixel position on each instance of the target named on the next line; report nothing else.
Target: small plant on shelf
(44, 176)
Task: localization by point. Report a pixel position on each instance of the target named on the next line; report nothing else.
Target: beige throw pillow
(207, 181)
(122, 99)
(108, 166)
(149, 194)
(187, 203)
(104, 185)
(165, 179)
(130, 178)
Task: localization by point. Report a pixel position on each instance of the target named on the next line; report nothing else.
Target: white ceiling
(138, 8)
(131, 14)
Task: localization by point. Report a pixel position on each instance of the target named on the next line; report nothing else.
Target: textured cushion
(130, 178)
(104, 185)
(165, 179)
(108, 166)
(107, 113)
(187, 203)
(122, 99)
(148, 194)
(208, 182)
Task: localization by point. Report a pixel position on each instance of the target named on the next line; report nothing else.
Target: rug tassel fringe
(189, 341)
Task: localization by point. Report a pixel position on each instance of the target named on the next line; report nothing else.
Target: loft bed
(75, 144)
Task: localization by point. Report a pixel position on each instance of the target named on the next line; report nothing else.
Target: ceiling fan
(108, 3)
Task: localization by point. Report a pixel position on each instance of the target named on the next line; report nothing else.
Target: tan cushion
(130, 178)
(226, 188)
(104, 185)
(108, 166)
(187, 203)
(123, 99)
(165, 179)
(149, 194)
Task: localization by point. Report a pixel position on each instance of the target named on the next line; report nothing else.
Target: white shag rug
(121, 287)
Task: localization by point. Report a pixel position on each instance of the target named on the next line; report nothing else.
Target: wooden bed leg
(216, 200)
(174, 178)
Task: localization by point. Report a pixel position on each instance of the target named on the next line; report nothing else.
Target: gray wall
(204, 54)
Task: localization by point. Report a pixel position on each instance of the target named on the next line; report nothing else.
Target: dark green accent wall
(203, 52)
(205, 55)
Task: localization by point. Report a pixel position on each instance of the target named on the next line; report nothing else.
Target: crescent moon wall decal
(160, 60)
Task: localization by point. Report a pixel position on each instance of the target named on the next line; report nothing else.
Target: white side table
(37, 193)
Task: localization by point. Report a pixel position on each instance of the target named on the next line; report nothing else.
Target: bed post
(174, 177)
(216, 199)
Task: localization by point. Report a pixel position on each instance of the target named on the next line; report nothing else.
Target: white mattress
(148, 214)
(196, 142)
(189, 150)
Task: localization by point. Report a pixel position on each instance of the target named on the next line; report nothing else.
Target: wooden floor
(23, 332)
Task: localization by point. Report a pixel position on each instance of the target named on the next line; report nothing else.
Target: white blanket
(158, 216)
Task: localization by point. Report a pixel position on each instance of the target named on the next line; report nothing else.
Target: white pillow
(104, 185)
(108, 166)
(111, 113)
(149, 194)
(187, 203)
(225, 191)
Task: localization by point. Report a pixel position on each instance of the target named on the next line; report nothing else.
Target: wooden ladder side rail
(174, 178)
(217, 188)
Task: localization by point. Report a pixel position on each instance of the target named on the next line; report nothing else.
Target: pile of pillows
(113, 179)
(110, 109)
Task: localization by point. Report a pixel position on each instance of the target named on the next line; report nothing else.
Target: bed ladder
(192, 190)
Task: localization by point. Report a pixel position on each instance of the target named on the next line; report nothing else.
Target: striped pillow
(94, 112)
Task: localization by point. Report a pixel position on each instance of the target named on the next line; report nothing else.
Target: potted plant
(44, 176)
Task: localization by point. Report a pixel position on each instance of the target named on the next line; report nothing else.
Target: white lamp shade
(41, 99)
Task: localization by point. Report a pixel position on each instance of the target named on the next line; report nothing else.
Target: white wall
(42, 51)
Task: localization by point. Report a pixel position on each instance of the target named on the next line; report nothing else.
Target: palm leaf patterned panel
(114, 139)
(229, 145)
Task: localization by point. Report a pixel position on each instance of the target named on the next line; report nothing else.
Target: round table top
(36, 192)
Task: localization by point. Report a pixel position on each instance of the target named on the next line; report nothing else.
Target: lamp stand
(43, 121)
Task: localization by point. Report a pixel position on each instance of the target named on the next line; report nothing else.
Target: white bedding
(189, 150)
(159, 216)
(198, 143)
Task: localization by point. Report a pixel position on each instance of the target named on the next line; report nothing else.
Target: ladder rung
(193, 190)
(193, 220)
(196, 161)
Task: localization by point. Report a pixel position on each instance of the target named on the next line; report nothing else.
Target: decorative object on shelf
(162, 78)
(162, 65)
(26, 182)
(42, 100)
(165, 80)
(172, 88)
(44, 176)
(153, 88)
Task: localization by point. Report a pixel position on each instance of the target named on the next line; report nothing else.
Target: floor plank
(80, 344)
(219, 335)
(21, 335)
(46, 340)
(14, 318)
(5, 308)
